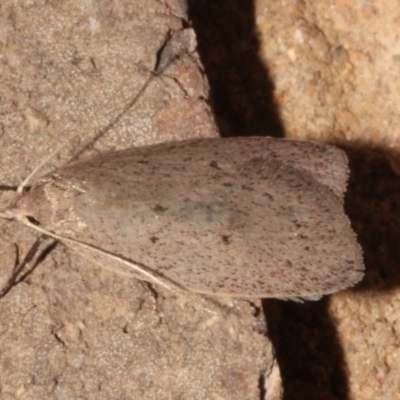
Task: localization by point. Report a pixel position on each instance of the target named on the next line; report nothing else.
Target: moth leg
(20, 270)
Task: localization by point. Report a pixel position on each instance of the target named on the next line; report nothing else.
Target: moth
(240, 217)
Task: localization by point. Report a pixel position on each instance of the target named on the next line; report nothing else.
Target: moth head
(18, 207)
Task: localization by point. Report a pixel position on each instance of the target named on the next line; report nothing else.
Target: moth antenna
(21, 187)
(25, 182)
(159, 70)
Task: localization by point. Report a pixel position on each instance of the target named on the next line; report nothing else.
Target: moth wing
(327, 164)
(229, 217)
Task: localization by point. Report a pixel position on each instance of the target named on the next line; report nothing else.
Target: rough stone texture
(329, 73)
(368, 324)
(335, 67)
(69, 330)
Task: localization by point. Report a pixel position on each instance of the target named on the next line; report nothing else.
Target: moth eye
(33, 220)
